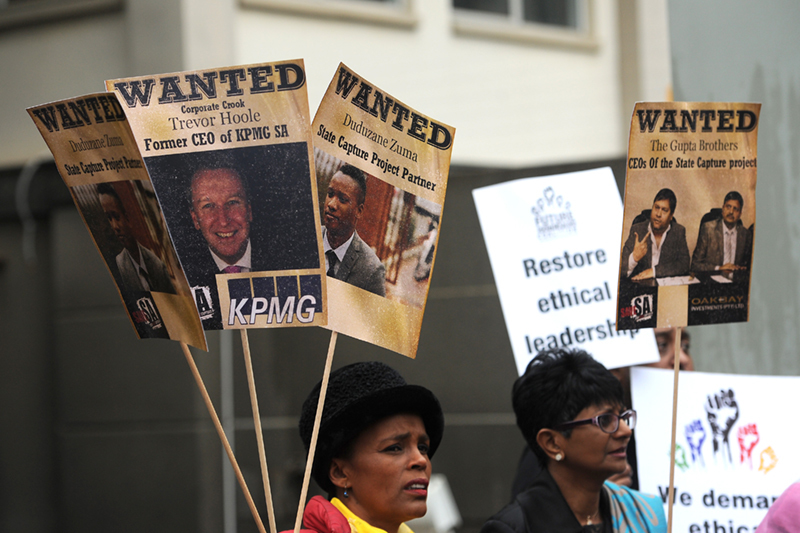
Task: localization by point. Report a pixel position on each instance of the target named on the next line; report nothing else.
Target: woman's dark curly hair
(557, 385)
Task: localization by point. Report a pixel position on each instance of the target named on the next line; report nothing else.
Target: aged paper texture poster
(230, 156)
(97, 157)
(382, 172)
(690, 211)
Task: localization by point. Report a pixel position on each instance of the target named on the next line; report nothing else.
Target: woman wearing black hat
(376, 438)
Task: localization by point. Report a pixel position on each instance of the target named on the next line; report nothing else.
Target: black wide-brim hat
(359, 395)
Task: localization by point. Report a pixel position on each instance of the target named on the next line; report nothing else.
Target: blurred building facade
(104, 432)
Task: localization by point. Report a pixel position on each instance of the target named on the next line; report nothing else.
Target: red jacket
(320, 516)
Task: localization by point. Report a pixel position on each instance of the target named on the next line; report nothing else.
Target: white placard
(554, 245)
(720, 486)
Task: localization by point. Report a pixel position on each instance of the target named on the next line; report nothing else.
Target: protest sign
(694, 163)
(553, 248)
(229, 154)
(735, 453)
(382, 172)
(97, 157)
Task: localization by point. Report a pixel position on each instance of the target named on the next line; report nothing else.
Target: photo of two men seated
(656, 245)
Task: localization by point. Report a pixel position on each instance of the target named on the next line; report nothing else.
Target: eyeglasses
(608, 423)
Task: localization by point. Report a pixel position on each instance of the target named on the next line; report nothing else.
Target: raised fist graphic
(748, 438)
(768, 460)
(696, 436)
(722, 412)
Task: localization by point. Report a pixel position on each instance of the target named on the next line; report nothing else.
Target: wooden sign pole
(677, 367)
(221, 432)
(323, 389)
(262, 455)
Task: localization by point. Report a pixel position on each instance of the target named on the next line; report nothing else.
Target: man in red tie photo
(221, 211)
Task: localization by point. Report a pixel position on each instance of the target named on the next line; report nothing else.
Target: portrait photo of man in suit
(656, 248)
(347, 257)
(723, 244)
(221, 211)
(139, 268)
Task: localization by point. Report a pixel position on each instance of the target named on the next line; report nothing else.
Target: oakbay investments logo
(553, 216)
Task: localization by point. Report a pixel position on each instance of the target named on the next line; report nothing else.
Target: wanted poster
(690, 211)
(230, 157)
(555, 265)
(382, 175)
(98, 159)
(734, 452)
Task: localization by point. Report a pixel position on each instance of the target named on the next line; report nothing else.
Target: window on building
(392, 12)
(555, 12)
(553, 21)
(14, 13)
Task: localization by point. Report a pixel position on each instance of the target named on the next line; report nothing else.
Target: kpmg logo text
(273, 300)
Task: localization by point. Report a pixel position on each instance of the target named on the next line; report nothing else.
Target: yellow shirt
(357, 525)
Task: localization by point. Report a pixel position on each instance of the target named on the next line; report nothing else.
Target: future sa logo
(553, 216)
(641, 308)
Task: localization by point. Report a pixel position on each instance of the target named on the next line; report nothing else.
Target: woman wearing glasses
(571, 411)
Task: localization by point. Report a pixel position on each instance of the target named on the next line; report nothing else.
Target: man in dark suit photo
(347, 257)
(219, 205)
(220, 209)
(723, 244)
(656, 248)
(139, 268)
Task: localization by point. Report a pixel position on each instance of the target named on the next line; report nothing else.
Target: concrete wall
(64, 58)
(135, 446)
(744, 52)
(27, 445)
(100, 431)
